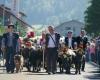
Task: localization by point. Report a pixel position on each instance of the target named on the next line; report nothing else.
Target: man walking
(69, 42)
(52, 42)
(10, 45)
(83, 39)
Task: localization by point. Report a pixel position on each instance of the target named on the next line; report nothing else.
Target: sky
(52, 12)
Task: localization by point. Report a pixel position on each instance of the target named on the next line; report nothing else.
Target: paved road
(89, 74)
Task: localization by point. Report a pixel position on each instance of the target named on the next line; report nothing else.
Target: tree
(20, 29)
(2, 29)
(92, 18)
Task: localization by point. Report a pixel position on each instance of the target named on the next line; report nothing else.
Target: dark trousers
(51, 59)
(10, 59)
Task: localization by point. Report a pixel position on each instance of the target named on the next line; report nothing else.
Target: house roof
(75, 21)
(9, 11)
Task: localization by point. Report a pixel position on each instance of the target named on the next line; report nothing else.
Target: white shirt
(70, 42)
(51, 43)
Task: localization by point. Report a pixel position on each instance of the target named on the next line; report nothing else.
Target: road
(89, 74)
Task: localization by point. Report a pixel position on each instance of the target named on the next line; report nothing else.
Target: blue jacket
(15, 40)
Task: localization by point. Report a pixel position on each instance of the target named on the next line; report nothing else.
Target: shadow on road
(44, 73)
(95, 75)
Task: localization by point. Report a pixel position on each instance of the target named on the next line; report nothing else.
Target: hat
(10, 25)
(70, 31)
(82, 30)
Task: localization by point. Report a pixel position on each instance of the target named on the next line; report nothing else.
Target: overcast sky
(52, 11)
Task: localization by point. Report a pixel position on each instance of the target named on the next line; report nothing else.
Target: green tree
(92, 18)
(20, 29)
(2, 29)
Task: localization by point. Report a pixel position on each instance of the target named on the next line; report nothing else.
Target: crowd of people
(50, 52)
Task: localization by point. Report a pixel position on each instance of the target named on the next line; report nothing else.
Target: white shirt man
(51, 43)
